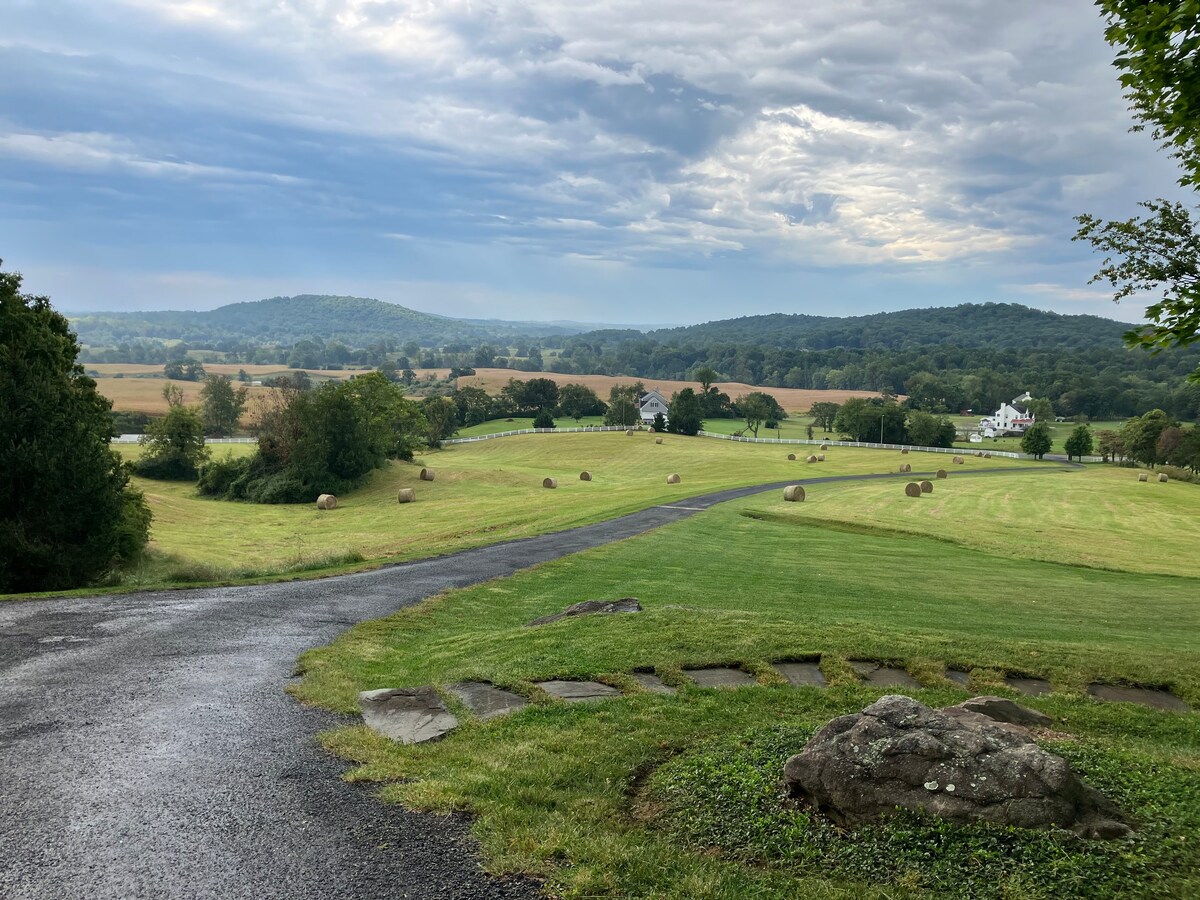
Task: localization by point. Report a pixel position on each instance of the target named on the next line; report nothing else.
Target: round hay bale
(1162, 477)
(905, 467)
(904, 450)
(672, 479)
(549, 483)
(926, 487)
(629, 433)
(406, 495)
(958, 460)
(941, 473)
(791, 457)
(1142, 477)
(824, 446)
(820, 457)
(508, 420)
(585, 476)
(987, 456)
(326, 501)
(427, 475)
(793, 493)
(912, 489)
(658, 440)
(811, 459)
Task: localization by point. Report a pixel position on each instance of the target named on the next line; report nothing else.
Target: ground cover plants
(672, 796)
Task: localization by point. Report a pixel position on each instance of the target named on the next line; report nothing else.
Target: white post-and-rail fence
(870, 445)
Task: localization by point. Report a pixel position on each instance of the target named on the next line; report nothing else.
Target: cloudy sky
(634, 161)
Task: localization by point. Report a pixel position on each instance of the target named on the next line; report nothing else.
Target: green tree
(824, 414)
(577, 401)
(757, 408)
(927, 430)
(622, 405)
(67, 513)
(222, 405)
(684, 415)
(1140, 436)
(173, 446)
(1042, 409)
(660, 423)
(1079, 443)
(1110, 445)
(441, 417)
(538, 394)
(474, 405)
(1036, 440)
(1157, 44)
(871, 420)
(543, 419)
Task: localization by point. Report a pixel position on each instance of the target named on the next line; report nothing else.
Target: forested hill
(996, 326)
(282, 321)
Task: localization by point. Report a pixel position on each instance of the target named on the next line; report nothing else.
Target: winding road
(147, 747)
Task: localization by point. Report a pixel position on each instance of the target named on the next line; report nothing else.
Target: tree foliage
(824, 414)
(578, 400)
(1079, 443)
(222, 405)
(67, 514)
(927, 430)
(1036, 440)
(684, 413)
(872, 420)
(758, 407)
(623, 404)
(173, 446)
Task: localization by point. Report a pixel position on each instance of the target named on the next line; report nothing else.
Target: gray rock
(1034, 687)
(801, 674)
(486, 700)
(578, 691)
(884, 676)
(407, 715)
(590, 608)
(652, 683)
(1000, 709)
(1156, 698)
(958, 676)
(900, 753)
(719, 677)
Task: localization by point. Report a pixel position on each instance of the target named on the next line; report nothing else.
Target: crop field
(1072, 576)
(483, 493)
(791, 399)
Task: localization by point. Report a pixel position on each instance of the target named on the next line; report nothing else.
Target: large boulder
(958, 766)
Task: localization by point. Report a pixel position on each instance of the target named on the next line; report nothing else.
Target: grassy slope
(557, 782)
(484, 493)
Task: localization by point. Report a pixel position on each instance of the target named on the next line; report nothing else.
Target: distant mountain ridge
(360, 322)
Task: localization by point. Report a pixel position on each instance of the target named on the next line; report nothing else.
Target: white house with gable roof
(651, 404)
(1010, 418)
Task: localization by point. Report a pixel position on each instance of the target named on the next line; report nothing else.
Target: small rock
(720, 677)
(407, 715)
(578, 691)
(801, 674)
(589, 608)
(486, 700)
(653, 683)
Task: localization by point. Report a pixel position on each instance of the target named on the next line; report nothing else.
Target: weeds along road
(147, 747)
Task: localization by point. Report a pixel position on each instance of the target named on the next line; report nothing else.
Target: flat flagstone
(578, 691)
(407, 715)
(1157, 698)
(652, 682)
(801, 674)
(486, 700)
(958, 677)
(1034, 687)
(719, 677)
(884, 676)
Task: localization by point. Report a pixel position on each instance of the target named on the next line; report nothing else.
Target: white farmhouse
(652, 403)
(1010, 418)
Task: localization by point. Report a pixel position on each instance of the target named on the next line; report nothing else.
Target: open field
(794, 427)
(677, 796)
(791, 399)
(483, 493)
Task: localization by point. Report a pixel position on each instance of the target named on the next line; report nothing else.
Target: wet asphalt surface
(147, 747)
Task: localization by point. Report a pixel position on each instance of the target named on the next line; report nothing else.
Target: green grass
(484, 492)
(575, 794)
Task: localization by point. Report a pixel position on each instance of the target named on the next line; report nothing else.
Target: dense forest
(968, 357)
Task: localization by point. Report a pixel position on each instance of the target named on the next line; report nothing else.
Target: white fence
(500, 434)
(134, 438)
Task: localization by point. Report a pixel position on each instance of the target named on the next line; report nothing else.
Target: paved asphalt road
(147, 747)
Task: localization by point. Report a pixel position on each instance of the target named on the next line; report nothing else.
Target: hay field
(484, 493)
(791, 399)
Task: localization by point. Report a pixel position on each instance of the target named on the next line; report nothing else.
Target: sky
(622, 161)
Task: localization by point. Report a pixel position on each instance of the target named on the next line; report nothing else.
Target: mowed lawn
(482, 493)
(567, 792)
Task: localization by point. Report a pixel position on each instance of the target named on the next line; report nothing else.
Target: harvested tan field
(231, 369)
(792, 399)
(145, 394)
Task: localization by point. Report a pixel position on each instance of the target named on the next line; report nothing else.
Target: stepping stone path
(407, 715)
(415, 715)
(578, 691)
(719, 677)
(884, 676)
(486, 700)
(589, 608)
(1033, 687)
(801, 674)
(653, 683)
(1156, 698)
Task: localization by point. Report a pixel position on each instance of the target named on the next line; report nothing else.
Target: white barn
(651, 404)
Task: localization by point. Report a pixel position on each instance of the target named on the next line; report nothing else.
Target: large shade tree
(67, 513)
